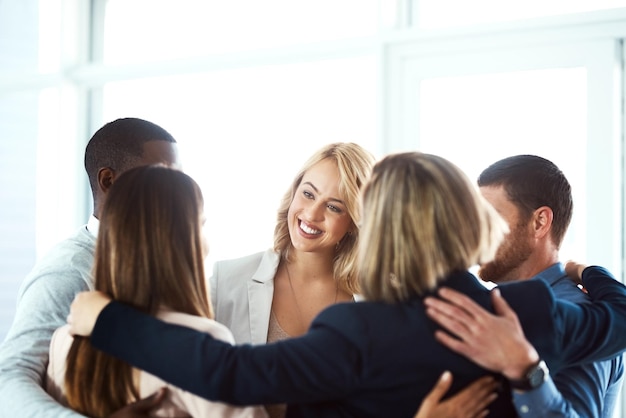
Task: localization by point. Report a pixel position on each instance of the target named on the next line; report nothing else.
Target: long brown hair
(355, 165)
(149, 255)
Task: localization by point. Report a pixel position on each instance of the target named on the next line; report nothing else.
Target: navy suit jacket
(366, 359)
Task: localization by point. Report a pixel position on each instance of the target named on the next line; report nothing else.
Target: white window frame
(589, 40)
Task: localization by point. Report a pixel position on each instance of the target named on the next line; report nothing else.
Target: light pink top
(178, 403)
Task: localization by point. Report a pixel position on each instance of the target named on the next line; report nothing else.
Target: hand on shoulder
(84, 312)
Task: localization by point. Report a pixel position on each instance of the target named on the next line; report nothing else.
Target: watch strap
(533, 378)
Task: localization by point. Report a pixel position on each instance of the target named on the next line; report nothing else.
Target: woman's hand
(85, 310)
(471, 402)
(142, 408)
(575, 271)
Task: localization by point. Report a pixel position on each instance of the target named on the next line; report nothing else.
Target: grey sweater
(43, 305)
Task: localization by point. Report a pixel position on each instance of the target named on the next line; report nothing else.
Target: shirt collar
(552, 273)
(93, 225)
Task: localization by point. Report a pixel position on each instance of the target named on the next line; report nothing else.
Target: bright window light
(144, 30)
(244, 133)
(451, 13)
(476, 120)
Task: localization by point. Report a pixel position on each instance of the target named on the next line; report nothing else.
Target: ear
(542, 221)
(106, 177)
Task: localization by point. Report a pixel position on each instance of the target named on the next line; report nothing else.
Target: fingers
(152, 401)
(462, 301)
(452, 325)
(470, 402)
(449, 341)
(574, 270)
(455, 319)
(428, 407)
(440, 388)
(142, 407)
(477, 396)
(500, 305)
(84, 311)
(146, 404)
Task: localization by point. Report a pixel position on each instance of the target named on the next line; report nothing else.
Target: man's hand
(141, 408)
(471, 402)
(84, 312)
(495, 342)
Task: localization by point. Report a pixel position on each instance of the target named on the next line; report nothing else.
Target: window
(551, 94)
(244, 133)
(542, 112)
(192, 28)
(432, 14)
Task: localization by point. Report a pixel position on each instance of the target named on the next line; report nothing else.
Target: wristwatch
(533, 378)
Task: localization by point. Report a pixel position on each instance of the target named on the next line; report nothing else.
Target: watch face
(533, 378)
(538, 374)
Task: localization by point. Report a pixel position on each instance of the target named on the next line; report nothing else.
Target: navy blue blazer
(366, 359)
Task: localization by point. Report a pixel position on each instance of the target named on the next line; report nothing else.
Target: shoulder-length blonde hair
(422, 220)
(355, 165)
(149, 255)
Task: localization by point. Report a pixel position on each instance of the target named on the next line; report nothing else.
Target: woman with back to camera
(150, 254)
(423, 225)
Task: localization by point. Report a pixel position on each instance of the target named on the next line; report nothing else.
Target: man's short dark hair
(531, 182)
(119, 145)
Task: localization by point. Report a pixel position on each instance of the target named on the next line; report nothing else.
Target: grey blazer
(241, 292)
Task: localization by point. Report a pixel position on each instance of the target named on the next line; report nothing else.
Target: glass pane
(19, 36)
(244, 133)
(451, 13)
(18, 182)
(141, 30)
(476, 120)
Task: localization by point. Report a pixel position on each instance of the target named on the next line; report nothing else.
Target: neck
(537, 263)
(311, 265)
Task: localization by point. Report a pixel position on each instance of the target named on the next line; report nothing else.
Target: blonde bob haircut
(422, 220)
(149, 254)
(355, 165)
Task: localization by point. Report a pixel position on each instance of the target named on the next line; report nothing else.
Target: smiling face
(318, 218)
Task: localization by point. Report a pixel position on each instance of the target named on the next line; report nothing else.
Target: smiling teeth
(309, 230)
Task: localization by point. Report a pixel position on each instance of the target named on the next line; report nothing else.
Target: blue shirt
(586, 390)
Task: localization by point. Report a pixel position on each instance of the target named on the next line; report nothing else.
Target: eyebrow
(333, 199)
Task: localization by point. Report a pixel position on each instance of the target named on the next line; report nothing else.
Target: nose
(314, 212)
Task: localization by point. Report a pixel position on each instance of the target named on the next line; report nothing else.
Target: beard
(512, 253)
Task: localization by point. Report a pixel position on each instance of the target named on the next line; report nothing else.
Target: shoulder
(517, 294)
(263, 264)
(537, 309)
(199, 323)
(70, 258)
(80, 243)
(353, 316)
(64, 271)
(248, 261)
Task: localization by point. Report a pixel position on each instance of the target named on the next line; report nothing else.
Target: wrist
(517, 370)
(534, 377)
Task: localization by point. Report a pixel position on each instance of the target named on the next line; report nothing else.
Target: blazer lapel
(260, 295)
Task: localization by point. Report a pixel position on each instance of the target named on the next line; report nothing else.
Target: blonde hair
(149, 255)
(355, 165)
(422, 220)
